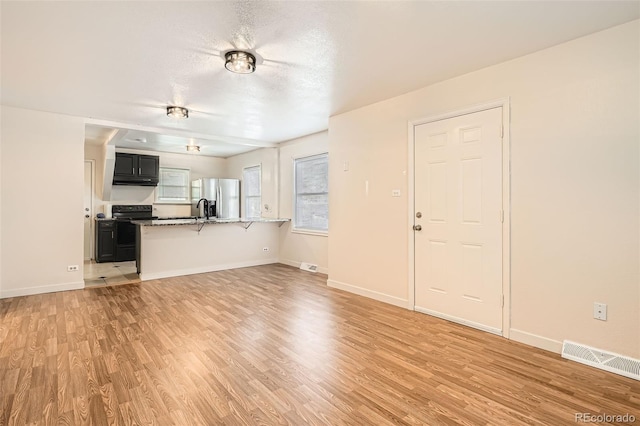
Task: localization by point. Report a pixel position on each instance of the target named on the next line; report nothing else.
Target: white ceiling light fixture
(177, 112)
(240, 62)
(193, 148)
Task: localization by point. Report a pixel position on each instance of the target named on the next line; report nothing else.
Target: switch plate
(600, 311)
(345, 166)
(73, 268)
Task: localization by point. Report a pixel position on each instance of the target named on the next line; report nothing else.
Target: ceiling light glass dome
(240, 62)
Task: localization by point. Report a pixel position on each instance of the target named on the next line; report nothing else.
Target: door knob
(417, 227)
(86, 209)
(87, 216)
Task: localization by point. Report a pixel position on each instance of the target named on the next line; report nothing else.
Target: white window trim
(244, 197)
(294, 228)
(305, 231)
(181, 203)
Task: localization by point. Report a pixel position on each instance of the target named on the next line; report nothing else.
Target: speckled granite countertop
(201, 221)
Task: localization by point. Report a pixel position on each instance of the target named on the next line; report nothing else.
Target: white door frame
(506, 199)
(93, 209)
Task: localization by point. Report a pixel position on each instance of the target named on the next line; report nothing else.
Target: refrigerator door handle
(218, 201)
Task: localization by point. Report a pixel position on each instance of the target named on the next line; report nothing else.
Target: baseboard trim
(457, 320)
(204, 269)
(535, 340)
(296, 264)
(381, 297)
(5, 294)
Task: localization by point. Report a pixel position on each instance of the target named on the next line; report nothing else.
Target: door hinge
(502, 216)
(501, 131)
(502, 302)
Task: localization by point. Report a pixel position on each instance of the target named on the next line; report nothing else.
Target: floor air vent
(607, 361)
(309, 267)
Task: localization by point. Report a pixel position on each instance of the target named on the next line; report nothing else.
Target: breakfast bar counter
(185, 246)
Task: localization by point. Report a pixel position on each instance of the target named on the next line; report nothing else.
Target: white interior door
(458, 206)
(88, 210)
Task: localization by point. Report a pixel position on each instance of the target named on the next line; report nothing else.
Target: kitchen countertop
(202, 221)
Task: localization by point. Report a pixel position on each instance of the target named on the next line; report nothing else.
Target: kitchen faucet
(206, 207)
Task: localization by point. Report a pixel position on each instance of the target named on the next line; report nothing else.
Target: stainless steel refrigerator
(223, 196)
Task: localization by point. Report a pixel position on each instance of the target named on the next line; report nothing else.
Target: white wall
(267, 158)
(42, 201)
(296, 247)
(277, 191)
(575, 188)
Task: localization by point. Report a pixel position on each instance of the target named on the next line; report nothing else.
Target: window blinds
(252, 195)
(312, 193)
(173, 185)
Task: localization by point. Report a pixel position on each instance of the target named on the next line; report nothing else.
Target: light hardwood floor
(274, 345)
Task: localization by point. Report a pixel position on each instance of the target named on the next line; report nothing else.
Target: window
(311, 193)
(173, 186)
(251, 189)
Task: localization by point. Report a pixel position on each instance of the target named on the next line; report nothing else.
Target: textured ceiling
(121, 63)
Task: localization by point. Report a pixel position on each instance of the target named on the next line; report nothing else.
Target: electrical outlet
(395, 193)
(600, 311)
(265, 248)
(73, 268)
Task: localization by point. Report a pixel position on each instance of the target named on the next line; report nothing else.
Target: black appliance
(125, 232)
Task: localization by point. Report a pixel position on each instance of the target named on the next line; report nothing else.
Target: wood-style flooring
(273, 345)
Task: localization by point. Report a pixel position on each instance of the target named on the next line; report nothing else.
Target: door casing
(91, 235)
(506, 200)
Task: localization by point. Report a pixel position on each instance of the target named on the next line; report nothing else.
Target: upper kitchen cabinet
(135, 169)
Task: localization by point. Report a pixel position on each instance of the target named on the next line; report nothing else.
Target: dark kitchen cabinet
(149, 166)
(126, 165)
(135, 169)
(105, 241)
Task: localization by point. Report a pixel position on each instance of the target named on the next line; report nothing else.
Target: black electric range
(125, 231)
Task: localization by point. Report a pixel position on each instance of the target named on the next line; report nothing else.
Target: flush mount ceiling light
(240, 62)
(193, 148)
(177, 112)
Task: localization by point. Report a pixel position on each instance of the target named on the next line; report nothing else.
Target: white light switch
(395, 193)
(345, 166)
